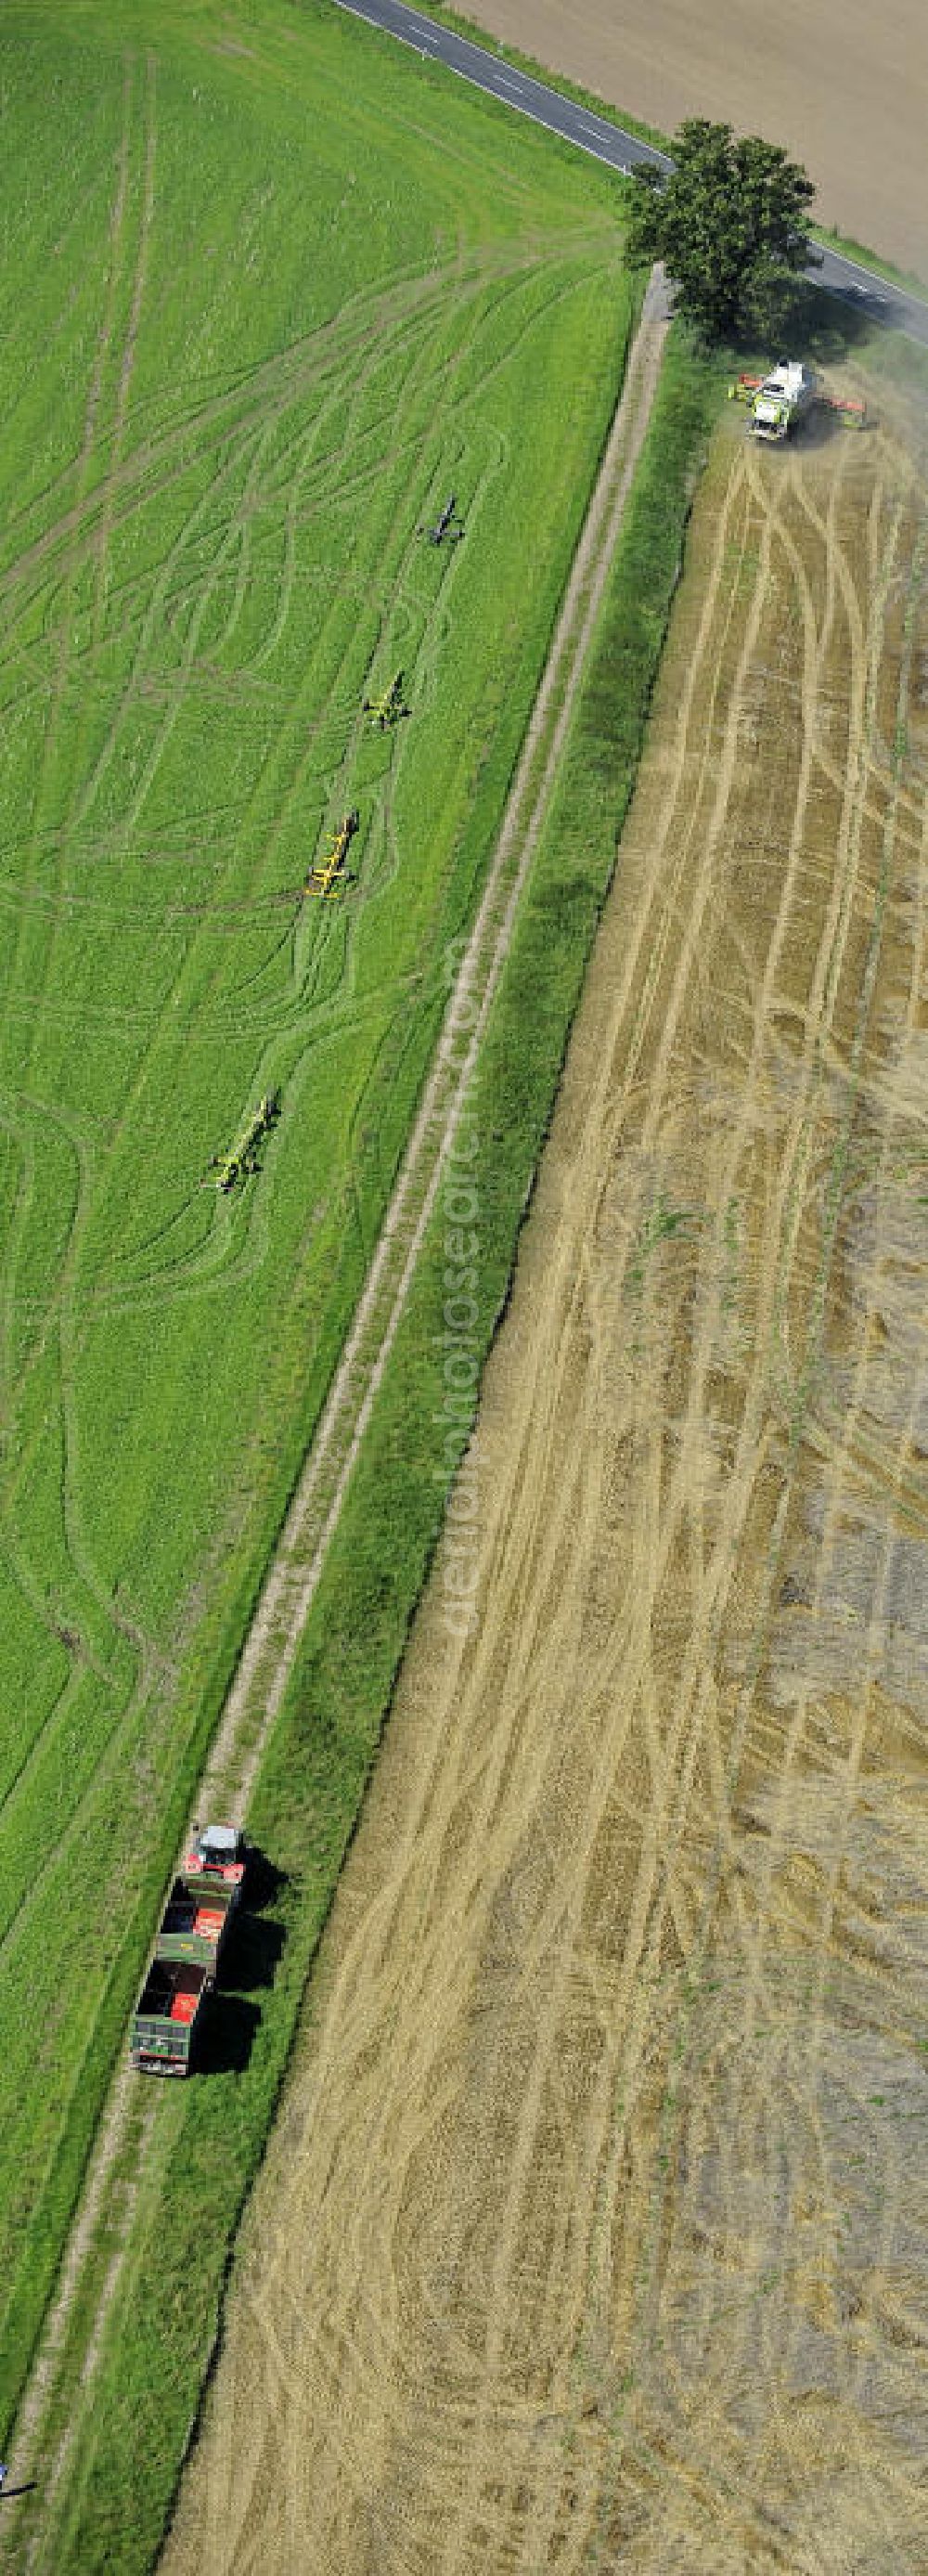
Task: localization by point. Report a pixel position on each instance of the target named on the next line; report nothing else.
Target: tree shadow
(803, 319)
(836, 325)
(829, 327)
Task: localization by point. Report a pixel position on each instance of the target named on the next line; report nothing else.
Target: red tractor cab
(218, 1852)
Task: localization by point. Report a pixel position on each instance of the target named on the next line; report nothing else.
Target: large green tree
(728, 223)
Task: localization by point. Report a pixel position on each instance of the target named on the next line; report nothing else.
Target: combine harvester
(781, 402)
(182, 1973)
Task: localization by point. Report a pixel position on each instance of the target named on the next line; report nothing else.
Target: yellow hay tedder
(243, 1158)
(388, 709)
(330, 877)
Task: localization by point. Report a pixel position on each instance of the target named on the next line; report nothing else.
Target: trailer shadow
(228, 2037)
(249, 1965)
(253, 1954)
(264, 1882)
(256, 1938)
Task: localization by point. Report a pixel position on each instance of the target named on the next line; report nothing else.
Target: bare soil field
(845, 87)
(594, 2231)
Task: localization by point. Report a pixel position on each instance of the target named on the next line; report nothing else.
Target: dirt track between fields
(844, 86)
(594, 2231)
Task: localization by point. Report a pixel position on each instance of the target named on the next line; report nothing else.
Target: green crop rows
(270, 290)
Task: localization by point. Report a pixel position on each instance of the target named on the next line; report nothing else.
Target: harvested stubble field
(594, 2233)
(268, 296)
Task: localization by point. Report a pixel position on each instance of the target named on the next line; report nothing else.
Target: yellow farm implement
(244, 1155)
(388, 709)
(852, 415)
(329, 877)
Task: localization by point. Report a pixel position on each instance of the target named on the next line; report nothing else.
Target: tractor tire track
(584, 2239)
(271, 1647)
(293, 1578)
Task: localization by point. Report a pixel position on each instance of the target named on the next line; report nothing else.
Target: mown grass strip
(135, 2420)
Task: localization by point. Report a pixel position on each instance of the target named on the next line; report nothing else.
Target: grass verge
(133, 2422)
(848, 248)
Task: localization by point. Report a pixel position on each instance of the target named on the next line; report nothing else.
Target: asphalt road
(873, 295)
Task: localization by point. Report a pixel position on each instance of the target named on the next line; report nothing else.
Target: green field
(271, 289)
